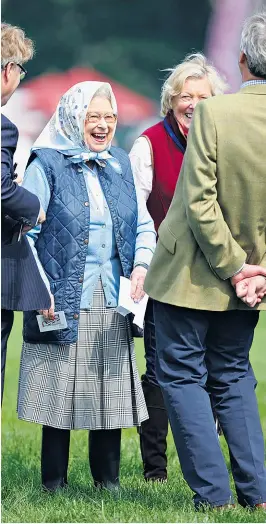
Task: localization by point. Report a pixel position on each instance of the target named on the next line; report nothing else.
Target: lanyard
(173, 136)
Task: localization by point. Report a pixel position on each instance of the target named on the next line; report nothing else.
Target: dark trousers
(7, 318)
(153, 432)
(104, 457)
(196, 349)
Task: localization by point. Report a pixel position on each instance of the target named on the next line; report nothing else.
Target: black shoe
(161, 480)
(52, 487)
(110, 486)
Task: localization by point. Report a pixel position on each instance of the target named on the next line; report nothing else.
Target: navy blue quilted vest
(62, 243)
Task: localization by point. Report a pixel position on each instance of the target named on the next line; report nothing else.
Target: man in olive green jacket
(208, 281)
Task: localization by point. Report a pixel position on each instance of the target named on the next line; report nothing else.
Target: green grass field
(24, 501)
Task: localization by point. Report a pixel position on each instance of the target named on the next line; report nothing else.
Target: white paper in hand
(127, 305)
(59, 322)
(140, 311)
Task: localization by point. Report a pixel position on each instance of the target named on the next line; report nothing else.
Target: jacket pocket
(167, 238)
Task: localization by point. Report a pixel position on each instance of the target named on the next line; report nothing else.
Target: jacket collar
(254, 89)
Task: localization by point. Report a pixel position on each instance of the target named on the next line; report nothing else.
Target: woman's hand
(48, 313)
(137, 282)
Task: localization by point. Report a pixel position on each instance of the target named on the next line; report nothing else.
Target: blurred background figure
(223, 35)
(156, 159)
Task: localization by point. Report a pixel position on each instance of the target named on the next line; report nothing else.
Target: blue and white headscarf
(65, 130)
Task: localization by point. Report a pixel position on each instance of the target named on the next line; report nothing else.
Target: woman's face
(183, 105)
(99, 124)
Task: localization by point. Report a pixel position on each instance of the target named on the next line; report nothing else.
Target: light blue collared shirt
(253, 82)
(102, 257)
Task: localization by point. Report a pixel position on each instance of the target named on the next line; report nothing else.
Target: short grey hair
(253, 44)
(104, 92)
(195, 65)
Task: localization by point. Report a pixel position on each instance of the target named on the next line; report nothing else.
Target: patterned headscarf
(65, 130)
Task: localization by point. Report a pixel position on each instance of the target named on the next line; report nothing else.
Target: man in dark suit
(22, 287)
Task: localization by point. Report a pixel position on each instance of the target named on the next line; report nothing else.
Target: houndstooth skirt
(92, 384)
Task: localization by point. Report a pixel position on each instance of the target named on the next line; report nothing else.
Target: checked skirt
(92, 384)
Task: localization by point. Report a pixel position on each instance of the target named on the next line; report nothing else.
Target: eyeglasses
(23, 71)
(93, 118)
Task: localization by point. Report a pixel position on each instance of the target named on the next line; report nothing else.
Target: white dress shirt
(141, 163)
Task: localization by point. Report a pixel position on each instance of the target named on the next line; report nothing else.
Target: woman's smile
(98, 127)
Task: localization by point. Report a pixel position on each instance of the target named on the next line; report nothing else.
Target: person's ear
(242, 59)
(8, 70)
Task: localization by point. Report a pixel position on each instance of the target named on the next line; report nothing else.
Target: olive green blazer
(217, 218)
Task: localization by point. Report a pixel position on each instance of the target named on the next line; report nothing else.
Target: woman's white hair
(193, 66)
(104, 92)
(253, 44)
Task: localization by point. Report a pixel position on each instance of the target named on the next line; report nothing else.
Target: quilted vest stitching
(61, 246)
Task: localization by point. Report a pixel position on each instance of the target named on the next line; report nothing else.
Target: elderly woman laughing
(97, 229)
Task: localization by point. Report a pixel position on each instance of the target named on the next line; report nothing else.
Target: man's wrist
(233, 278)
(238, 271)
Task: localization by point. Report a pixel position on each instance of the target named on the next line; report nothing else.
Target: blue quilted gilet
(63, 240)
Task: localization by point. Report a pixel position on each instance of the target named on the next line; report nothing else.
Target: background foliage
(131, 41)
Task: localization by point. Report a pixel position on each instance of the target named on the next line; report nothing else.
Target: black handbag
(137, 332)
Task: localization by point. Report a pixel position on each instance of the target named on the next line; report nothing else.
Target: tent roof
(46, 90)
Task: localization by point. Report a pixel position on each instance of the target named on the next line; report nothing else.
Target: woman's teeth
(98, 136)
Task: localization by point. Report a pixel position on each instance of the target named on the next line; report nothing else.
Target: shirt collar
(253, 82)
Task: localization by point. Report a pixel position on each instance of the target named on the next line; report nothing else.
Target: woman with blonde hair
(156, 159)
